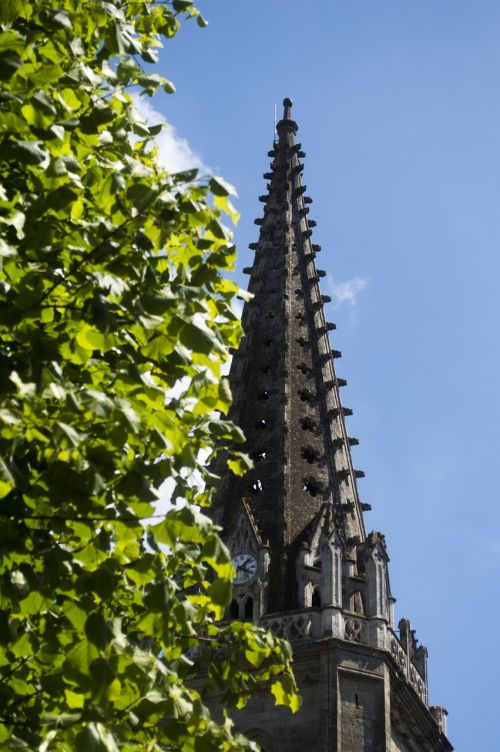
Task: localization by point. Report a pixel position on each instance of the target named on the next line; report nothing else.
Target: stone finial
(287, 123)
(287, 111)
(440, 715)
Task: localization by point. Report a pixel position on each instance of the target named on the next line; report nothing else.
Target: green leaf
(10, 62)
(81, 656)
(59, 18)
(74, 700)
(76, 615)
(61, 197)
(141, 195)
(186, 524)
(74, 437)
(241, 464)
(220, 592)
(181, 5)
(168, 88)
(220, 187)
(35, 603)
(284, 692)
(7, 482)
(95, 738)
(91, 338)
(97, 630)
(223, 429)
(218, 230)
(28, 152)
(11, 9)
(186, 176)
(42, 100)
(223, 203)
(198, 337)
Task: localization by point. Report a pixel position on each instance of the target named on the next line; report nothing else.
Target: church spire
(304, 566)
(286, 391)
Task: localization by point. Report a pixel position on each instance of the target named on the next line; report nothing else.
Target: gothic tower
(306, 568)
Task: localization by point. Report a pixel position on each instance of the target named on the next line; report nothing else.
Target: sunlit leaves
(284, 693)
(115, 322)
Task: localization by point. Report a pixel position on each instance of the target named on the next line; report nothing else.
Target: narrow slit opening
(249, 609)
(316, 598)
(258, 455)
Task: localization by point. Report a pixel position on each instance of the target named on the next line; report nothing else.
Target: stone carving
(410, 672)
(242, 538)
(292, 627)
(355, 630)
(418, 684)
(398, 654)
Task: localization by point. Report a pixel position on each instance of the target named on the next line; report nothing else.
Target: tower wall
(350, 704)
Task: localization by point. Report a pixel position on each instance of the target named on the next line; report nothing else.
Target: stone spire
(304, 566)
(286, 391)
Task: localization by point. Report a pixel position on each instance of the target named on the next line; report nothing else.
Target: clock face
(246, 568)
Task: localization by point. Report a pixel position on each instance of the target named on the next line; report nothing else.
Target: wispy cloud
(174, 151)
(347, 292)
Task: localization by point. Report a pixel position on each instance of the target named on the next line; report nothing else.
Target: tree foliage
(115, 320)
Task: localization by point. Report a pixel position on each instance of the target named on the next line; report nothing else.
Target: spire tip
(287, 123)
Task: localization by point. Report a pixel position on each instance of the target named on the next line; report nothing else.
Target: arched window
(234, 610)
(249, 609)
(316, 598)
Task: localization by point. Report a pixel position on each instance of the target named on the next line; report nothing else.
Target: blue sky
(398, 105)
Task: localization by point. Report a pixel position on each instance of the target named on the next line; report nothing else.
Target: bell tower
(306, 568)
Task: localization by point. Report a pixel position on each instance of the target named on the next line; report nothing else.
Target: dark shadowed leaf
(10, 62)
